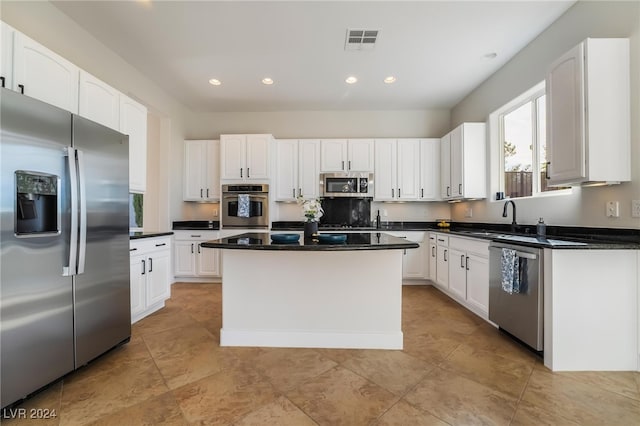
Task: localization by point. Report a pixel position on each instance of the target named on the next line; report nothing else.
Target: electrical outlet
(613, 209)
(468, 212)
(215, 212)
(635, 208)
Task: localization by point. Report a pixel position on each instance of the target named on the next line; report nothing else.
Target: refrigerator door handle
(83, 212)
(71, 267)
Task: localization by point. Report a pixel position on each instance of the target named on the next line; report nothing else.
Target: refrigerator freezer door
(36, 313)
(101, 292)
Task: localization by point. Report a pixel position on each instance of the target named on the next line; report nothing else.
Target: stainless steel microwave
(350, 184)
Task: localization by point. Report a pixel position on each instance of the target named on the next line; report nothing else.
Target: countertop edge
(141, 235)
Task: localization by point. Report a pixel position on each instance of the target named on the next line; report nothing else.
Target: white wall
(586, 206)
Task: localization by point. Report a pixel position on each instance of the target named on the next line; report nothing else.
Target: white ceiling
(436, 50)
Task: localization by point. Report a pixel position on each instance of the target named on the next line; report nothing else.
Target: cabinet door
(333, 155)
(458, 273)
(433, 261)
(99, 101)
(212, 181)
(257, 161)
(565, 117)
(442, 269)
(158, 277)
(44, 75)
(385, 170)
(185, 259)
(232, 156)
(445, 167)
(478, 282)
(208, 262)
(309, 168)
(286, 169)
(457, 169)
(6, 55)
(414, 263)
(360, 155)
(137, 278)
(408, 169)
(133, 122)
(195, 163)
(430, 169)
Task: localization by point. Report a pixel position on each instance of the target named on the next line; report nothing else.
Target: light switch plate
(635, 208)
(613, 209)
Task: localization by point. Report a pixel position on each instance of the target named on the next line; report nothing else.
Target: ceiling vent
(361, 39)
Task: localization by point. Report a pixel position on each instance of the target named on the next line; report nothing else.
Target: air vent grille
(359, 39)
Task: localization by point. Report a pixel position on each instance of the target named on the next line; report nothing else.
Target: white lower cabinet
(414, 261)
(149, 275)
(442, 260)
(194, 261)
(433, 256)
(469, 273)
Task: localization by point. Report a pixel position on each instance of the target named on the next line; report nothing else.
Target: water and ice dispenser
(37, 203)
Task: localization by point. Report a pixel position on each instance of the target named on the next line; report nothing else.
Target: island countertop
(355, 241)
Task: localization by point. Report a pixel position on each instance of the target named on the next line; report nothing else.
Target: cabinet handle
(240, 171)
(160, 245)
(546, 172)
(422, 193)
(441, 240)
(405, 252)
(445, 256)
(294, 192)
(191, 248)
(392, 193)
(150, 265)
(21, 87)
(2, 80)
(200, 192)
(448, 191)
(144, 267)
(299, 192)
(467, 263)
(399, 196)
(349, 164)
(343, 165)
(133, 249)
(459, 189)
(248, 175)
(207, 192)
(198, 248)
(462, 261)
(195, 236)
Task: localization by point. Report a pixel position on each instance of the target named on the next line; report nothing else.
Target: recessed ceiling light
(267, 81)
(390, 79)
(351, 80)
(491, 55)
(215, 82)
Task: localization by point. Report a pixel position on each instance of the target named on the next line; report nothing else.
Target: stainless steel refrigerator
(64, 243)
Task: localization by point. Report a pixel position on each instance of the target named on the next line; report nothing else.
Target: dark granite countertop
(139, 235)
(203, 225)
(355, 241)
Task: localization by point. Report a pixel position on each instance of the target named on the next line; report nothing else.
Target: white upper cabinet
(588, 114)
(133, 122)
(464, 175)
(397, 169)
(201, 170)
(430, 169)
(7, 34)
(297, 169)
(98, 101)
(344, 155)
(245, 157)
(42, 74)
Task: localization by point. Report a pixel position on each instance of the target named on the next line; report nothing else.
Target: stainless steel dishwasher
(520, 314)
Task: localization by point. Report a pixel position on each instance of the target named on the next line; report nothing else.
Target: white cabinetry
(429, 169)
(42, 74)
(433, 257)
(7, 34)
(191, 259)
(343, 155)
(442, 261)
(588, 114)
(297, 169)
(201, 170)
(245, 157)
(469, 273)
(98, 101)
(149, 275)
(133, 122)
(397, 169)
(414, 261)
(463, 164)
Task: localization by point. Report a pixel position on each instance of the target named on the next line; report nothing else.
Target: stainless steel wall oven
(245, 206)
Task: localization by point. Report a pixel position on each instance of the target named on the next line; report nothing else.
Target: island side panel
(322, 299)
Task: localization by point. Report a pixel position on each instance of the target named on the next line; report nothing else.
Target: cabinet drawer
(470, 245)
(196, 235)
(413, 236)
(149, 244)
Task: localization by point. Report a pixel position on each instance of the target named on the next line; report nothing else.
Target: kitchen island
(310, 294)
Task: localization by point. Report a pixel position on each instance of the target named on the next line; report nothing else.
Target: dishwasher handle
(519, 253)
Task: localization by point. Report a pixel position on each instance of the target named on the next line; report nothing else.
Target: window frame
(496, 117)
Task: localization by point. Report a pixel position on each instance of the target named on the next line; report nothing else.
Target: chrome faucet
(504, 213)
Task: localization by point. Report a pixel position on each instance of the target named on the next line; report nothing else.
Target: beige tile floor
(455, 369)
